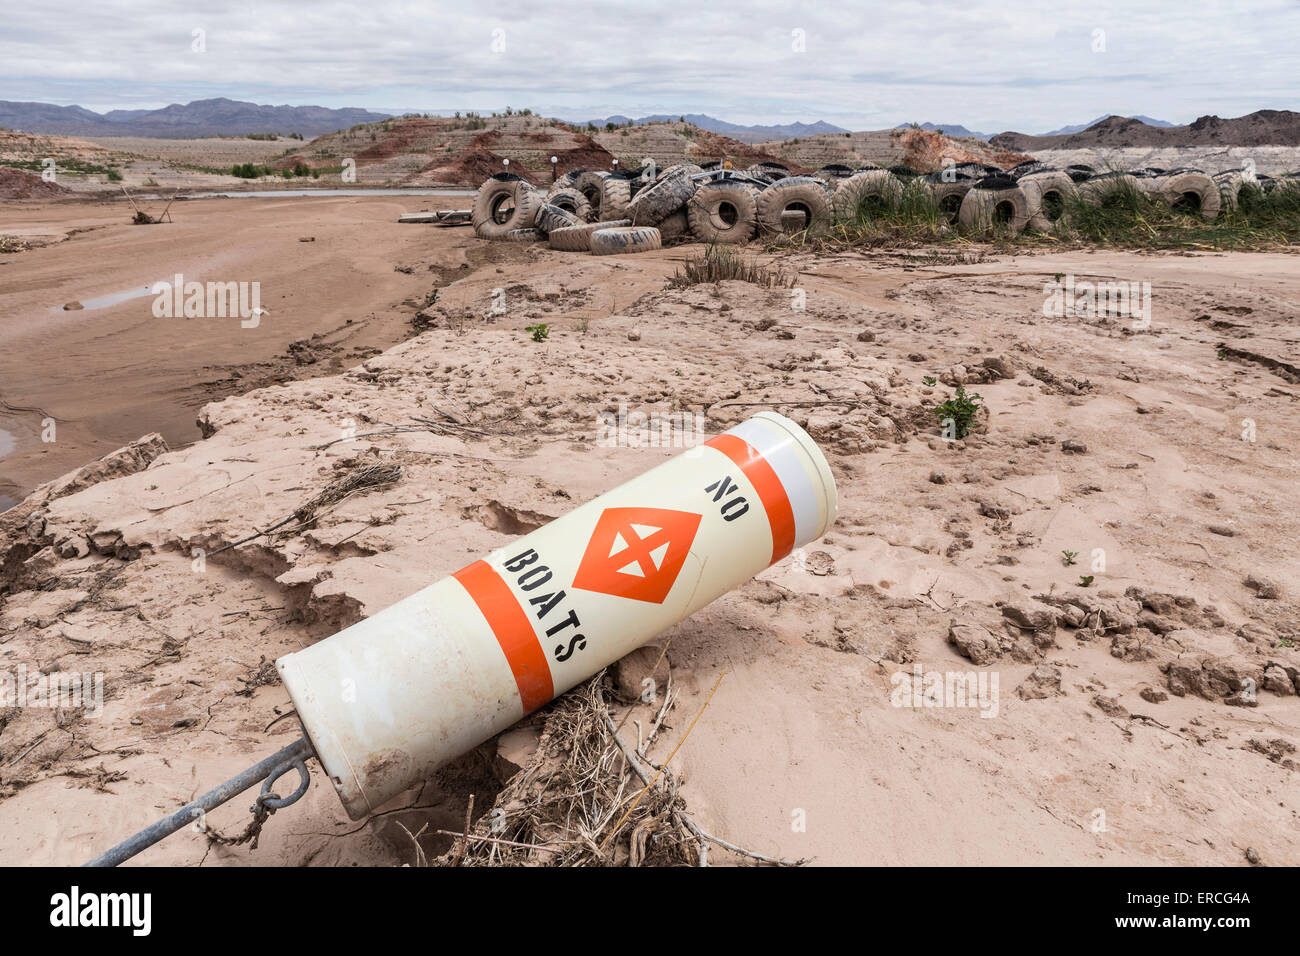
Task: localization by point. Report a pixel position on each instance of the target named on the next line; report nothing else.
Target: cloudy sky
(988, 64)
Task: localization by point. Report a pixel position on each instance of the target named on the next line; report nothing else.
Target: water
(280, 193)
(113, 298)
(7, 444)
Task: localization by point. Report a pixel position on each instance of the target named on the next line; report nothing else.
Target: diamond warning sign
(637, 553)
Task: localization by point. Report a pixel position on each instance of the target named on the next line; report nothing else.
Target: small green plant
(540, 331)
(1067, 557)
(1085, 580)
(1286, 642)
(114, 175)
(960, 410)
(928, 379)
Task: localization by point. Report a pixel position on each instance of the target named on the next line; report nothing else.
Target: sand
(1120, 733)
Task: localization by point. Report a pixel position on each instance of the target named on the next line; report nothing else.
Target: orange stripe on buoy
(770, 490)
(513, 631)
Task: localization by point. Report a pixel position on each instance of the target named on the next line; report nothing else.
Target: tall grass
(1126, 217)
(1130, 218)
(720, 262)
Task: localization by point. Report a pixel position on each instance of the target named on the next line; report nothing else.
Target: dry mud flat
(1150, 717)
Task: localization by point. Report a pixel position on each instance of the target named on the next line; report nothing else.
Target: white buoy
(388, 700)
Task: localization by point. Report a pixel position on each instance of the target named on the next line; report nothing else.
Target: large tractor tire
(991, 205)
(676, 226)
(524, 235)
(948, 198)
(622, 240)
(591, 184)
(794, 194)
(578, 238)
(864, 195)
(724, 212)
(1192, 192)
(1108, 187)
(1047, 193)
(502, 206)
(551, 217)
(615, 196)
(573, 201)
(656, 202)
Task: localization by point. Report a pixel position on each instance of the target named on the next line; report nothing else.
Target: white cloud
(988, 65)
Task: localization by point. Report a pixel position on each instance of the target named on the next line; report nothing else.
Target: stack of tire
(578, 213)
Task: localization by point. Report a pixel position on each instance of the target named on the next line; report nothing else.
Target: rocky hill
(921, 149)
(1261, 128)
(463, 151)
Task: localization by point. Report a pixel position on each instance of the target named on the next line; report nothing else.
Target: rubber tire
(656, 202)
(1172, 189)
(615, 195)
(578, 238)
(1097, 189)
(525, 198)
(707, 225)
(688, 169)
(572, 201)
(524, 235)
(676, 226)
(623, 240)
(776, 198)
(551, 217)
(591, 183)
(565, 181)
(1038, 187)
(979, 210)
(946, 193)
(860, 187)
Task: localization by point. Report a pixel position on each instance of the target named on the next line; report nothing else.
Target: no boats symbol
(637, 553)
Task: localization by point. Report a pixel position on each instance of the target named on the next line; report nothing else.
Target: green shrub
(961, 410)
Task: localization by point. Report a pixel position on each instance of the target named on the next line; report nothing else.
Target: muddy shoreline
(326, 268)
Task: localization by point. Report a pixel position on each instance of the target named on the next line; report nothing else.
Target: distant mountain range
(951, 129)
(1261, 128)
(1068, 130)
(746, 134)
(216, 117)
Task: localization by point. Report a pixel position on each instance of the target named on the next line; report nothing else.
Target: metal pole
(272, 767)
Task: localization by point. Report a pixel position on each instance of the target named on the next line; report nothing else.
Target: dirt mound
(669, 143)
(928, 150)
(469, 168)
(17, 184)
(1261, 128)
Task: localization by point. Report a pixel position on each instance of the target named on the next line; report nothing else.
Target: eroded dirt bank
(1149, 717)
